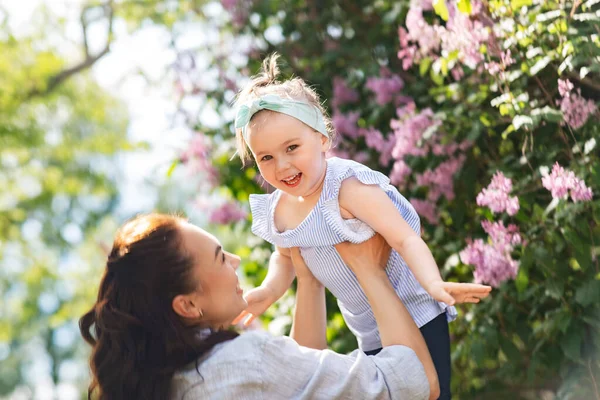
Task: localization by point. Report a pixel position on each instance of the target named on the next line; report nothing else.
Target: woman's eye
(266, 158)
(292, 147)
(223, 253)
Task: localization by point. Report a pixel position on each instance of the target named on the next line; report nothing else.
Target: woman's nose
(235, 260)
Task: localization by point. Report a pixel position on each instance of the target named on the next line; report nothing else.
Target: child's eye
(266, 158)
(292, 147)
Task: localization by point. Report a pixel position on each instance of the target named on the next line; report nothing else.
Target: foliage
(57, 180)
(459, 94)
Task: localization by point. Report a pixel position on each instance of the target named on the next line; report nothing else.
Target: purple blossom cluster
(385, 88)
(493, 261)
(342, 93)
(461, 34)
(426, 209)
(576, 110)
(496, 196)
(561, 182)
(227, 213)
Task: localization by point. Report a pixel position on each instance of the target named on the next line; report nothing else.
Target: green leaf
(520, 121)
(547, 113)
(588, 293)
(424, 66)
(539, 65)
(516, 4)
(571, 344)
(464, 6)
(440, 9)
(508, 348)
(522, 280)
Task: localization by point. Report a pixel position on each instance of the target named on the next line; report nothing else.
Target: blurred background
(483, 113)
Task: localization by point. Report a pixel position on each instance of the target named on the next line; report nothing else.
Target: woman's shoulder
(225, 370)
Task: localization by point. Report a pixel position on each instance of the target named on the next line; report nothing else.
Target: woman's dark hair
(138, 341)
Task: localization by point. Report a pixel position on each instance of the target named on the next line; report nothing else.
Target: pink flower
(564, 87)
(496, 197)
(576, 110)
(409, 132)
(227, 213)
(399, 173)
(421, 32)
(426, 209)
(346, 124)
(342, 93)
(492, 266)
(493, 262)
(560, 181)
(385, 88)
(377, 141)
(441, 179)
(464, 35)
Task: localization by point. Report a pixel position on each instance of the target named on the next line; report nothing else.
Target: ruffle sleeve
(351, 230)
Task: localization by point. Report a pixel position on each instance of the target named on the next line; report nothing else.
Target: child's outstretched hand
(453, 292)
(259, 299)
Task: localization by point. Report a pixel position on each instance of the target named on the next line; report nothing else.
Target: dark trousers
(437, 337)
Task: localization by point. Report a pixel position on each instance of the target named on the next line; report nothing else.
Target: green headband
(300, 110)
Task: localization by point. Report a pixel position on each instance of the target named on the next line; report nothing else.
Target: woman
(170, 289)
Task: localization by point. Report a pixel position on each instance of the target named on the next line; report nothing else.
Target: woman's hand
(371, 255)
(303, 274)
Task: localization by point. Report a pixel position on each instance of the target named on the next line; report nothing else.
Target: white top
(324, 227)
(257, 365)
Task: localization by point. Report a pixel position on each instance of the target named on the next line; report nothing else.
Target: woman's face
(219, 296)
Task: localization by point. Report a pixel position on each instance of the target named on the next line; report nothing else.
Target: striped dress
(324, 227)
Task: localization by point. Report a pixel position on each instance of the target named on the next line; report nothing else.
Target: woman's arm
(309, 327)
(395, 324)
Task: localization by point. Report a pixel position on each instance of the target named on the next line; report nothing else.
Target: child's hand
(453, 292)
(259, 299)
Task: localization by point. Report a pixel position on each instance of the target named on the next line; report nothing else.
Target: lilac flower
(342, 93)
(496, 197)
(441, 179)
(421, 32)
(576, 110)
(466, 36)
(564, 87)
(492, 266)
(399, 173)
(377, 141)
(385, 88)
(426, 209)
(409, 132)
(560, 181)
(346, 124)
(227, 213)
(493, 262)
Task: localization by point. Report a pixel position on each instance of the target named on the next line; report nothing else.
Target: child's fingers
(249, 320)
(445, 297)
(455, 287)
(239, 317)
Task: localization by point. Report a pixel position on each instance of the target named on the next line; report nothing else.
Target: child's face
(289, 154)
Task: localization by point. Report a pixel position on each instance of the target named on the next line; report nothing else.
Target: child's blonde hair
(265, 82)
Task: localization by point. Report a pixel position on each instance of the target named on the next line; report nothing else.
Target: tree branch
(89, 60)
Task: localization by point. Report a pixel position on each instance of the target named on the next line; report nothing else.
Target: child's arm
(280, 276)
(370, 204)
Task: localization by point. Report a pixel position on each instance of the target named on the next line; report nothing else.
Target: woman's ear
(186, 307)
